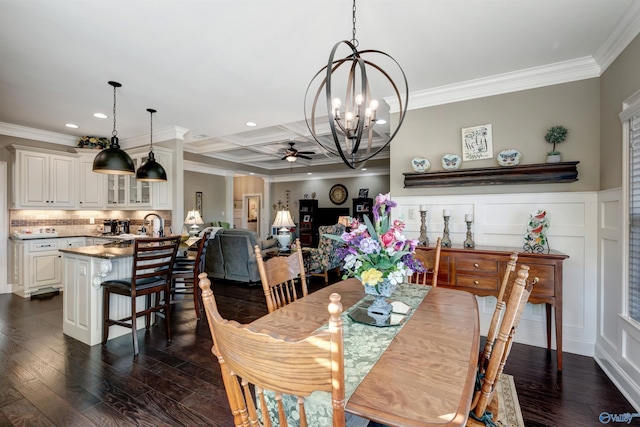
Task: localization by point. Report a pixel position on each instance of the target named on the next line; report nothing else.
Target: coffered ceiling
(209, 67)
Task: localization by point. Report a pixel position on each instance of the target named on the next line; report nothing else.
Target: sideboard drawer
(477, 265)
(477, 282)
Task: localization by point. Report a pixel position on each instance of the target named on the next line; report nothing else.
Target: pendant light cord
(115, 132)
(151, 135)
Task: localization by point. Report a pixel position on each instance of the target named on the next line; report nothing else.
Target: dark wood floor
(49, 379)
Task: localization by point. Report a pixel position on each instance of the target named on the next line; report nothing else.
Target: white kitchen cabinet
(43, 178)
(125, 192)
(139, 191)
(38, 264)
(91, 185)
(16, 266)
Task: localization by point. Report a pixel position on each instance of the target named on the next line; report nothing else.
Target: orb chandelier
(113, 160)
(351, 122)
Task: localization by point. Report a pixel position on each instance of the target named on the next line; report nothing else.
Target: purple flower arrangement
(378, 251)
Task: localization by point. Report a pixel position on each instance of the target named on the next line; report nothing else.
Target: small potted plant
(555, 135)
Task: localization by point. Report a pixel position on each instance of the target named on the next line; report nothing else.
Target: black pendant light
(113, 160)
(151, 171)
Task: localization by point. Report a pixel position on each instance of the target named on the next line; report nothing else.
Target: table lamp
(195, 220)
(283, 222)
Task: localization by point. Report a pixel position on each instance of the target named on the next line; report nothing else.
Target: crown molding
(347, 173)
(619, 39)
(169, 134)
(530, 78)
(18, 131)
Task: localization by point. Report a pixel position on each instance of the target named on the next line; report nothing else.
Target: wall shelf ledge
(538, 173)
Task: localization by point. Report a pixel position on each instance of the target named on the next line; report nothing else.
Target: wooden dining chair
(279, 275)
(251, 360)
(497, 312)
(483, 406)
(153, 260)
(430, 259)
(184, 279)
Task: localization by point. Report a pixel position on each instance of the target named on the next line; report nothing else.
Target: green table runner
(363, 346)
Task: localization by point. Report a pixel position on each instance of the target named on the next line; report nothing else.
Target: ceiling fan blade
(302, 156)
(285, 156)
(306, 152)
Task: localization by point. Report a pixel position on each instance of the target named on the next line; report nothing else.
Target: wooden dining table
(425, 377)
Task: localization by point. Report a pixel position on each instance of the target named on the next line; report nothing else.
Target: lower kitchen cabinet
(36, 266)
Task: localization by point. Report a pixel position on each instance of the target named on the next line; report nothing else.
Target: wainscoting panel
(501, 220)
(617, 346)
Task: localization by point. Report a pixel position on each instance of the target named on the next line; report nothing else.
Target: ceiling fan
(291, 154)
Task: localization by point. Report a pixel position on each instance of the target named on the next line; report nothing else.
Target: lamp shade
(283, 220)
(151, 171)
(193, 217)
(113, 160)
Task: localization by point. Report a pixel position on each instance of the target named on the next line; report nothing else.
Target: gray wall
(375, 183)
(213, 195)
(618, 82)
(519, 120)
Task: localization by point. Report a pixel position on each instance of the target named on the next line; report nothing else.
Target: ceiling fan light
(291, 159)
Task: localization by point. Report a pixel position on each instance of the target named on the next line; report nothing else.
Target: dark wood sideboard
(480, 272)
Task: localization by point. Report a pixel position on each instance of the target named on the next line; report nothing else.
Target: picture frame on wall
(360, 208)
(363, 193)
(477, 143)
(199, 202)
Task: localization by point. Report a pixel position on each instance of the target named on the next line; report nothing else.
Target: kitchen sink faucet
(157, 227)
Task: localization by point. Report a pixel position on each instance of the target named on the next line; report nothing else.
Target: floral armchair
(325, 257)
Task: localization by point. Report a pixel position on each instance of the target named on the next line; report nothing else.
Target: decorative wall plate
(509, 157)
(451, 162)
(420, 164)
(338, 194)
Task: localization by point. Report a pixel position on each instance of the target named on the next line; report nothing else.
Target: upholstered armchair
(325, 257)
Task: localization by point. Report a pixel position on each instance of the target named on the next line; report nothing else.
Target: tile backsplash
(76, 221)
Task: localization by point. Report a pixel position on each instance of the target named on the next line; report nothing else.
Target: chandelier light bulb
(374, 104)
(359, 99)
(337, 103)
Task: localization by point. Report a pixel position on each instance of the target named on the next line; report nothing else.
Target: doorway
(251, 207)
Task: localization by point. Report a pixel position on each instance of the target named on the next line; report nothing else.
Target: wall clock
(338, 194)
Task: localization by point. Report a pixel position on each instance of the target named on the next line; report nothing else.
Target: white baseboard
(616, 374)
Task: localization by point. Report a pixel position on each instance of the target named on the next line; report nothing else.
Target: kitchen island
(83, 270)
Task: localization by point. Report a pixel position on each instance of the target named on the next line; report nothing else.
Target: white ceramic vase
(554, 158)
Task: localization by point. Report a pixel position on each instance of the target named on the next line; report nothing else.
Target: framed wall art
(199, 202)
(477, 143)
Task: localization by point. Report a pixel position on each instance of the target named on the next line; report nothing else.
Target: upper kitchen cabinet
(91, 185)
(42, 178)
(125, 192)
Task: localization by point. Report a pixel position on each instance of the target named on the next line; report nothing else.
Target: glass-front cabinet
(139, 192)
(116, 189)
(124, 191)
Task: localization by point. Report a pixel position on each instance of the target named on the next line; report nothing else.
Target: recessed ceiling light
(251, 173)
(71, 125)
(100, 115)
(381, 121)
(309, 173)
(251, 124)
(364, 169)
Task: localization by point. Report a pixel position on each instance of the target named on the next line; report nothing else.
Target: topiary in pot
(555, 135)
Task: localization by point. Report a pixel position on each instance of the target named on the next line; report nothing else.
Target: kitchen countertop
(100, 251)
(114, 250)
(62, 235)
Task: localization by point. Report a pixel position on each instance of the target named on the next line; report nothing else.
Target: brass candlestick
(446, 241)
(469, 243)
(423, 239)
